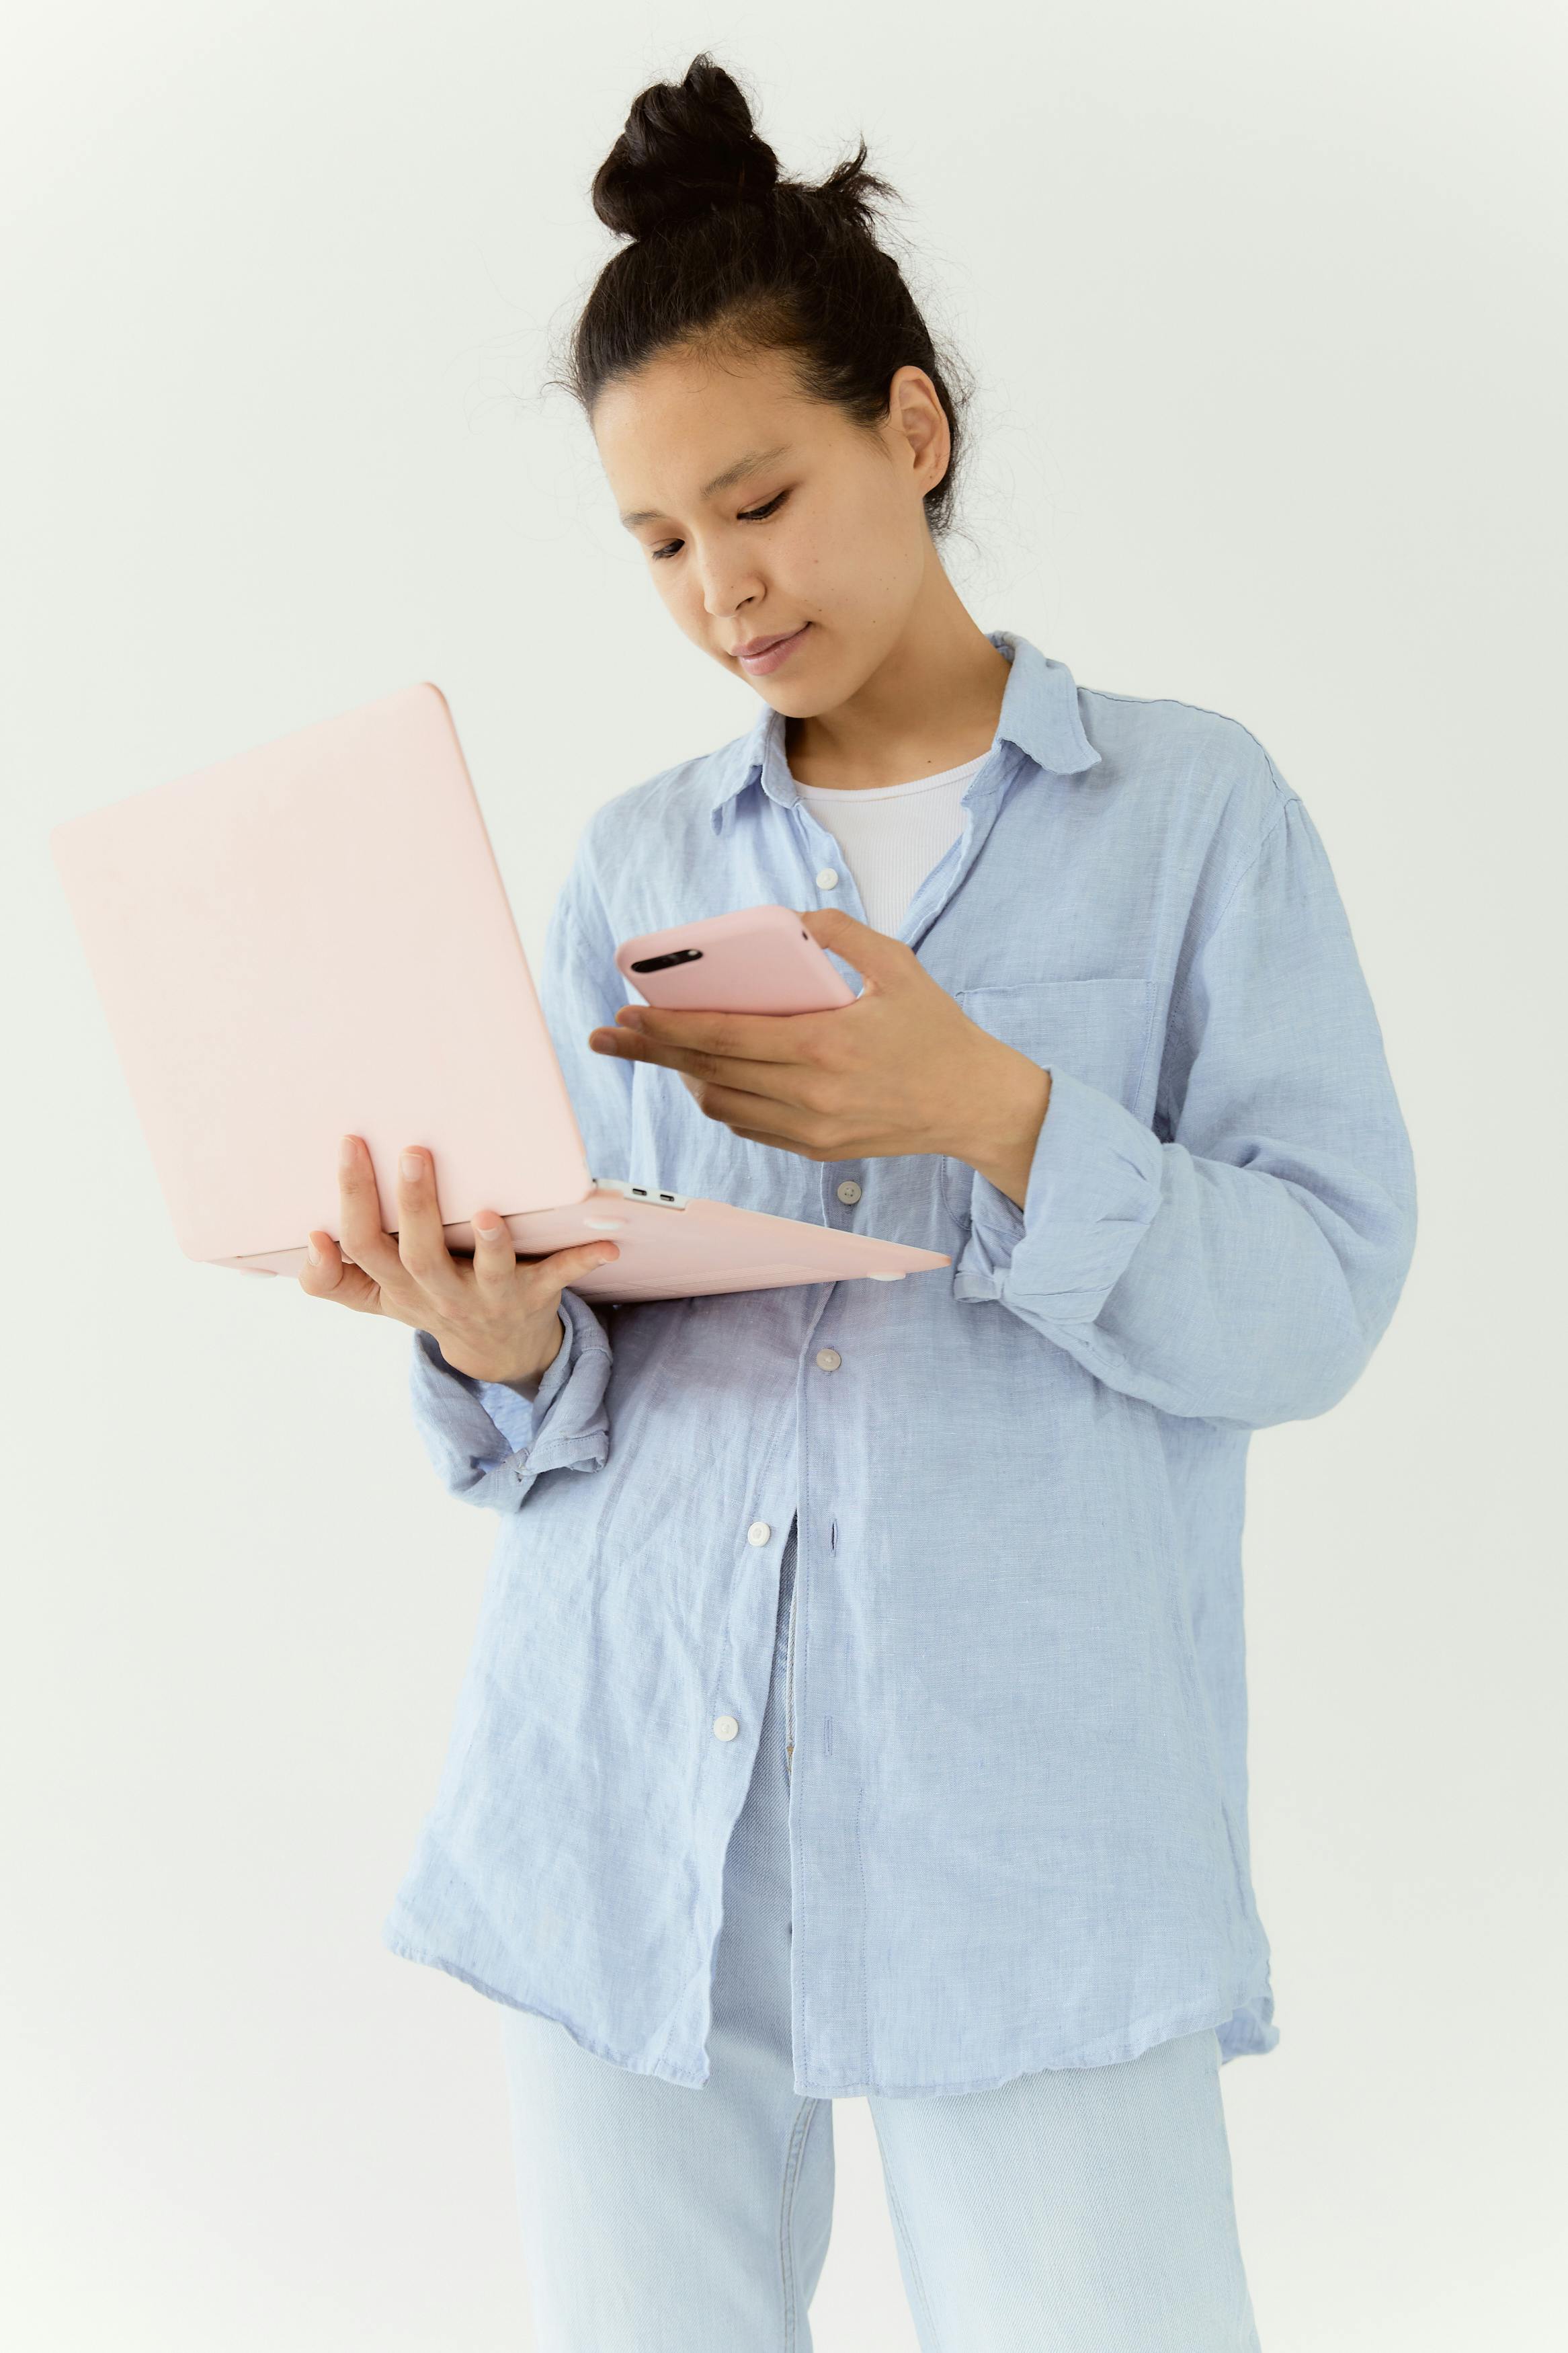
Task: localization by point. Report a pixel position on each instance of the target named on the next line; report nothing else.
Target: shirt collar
(1039, 714)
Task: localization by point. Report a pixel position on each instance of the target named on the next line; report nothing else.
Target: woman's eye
(752, 514)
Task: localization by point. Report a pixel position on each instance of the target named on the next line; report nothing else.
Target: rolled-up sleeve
(489, 1443)
(1241, 1265)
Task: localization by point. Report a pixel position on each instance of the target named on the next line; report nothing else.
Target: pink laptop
(314, 939)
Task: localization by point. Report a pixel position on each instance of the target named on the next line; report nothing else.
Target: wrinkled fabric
(1018, 1828)
(1077, 2210)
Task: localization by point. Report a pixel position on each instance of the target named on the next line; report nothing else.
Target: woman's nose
(725, 589)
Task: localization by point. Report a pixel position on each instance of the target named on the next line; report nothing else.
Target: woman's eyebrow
(750, 464)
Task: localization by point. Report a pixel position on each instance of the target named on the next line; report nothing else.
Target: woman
(857, 1701)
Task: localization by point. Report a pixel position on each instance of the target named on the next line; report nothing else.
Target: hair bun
(687, 146)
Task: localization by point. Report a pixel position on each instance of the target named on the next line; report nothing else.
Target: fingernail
(315, 1255)
(347, 1152)
(630, 1017)
(488, 1232)
(413, 1167)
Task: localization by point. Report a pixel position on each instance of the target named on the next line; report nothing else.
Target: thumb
(870, 953)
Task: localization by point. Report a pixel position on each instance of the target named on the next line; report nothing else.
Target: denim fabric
(1019, 1834)
(1088, 2211)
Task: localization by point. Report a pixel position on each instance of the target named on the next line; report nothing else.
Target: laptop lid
(313, 939)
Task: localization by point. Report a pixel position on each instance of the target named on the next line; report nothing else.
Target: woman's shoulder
(673, 808)
(1204, 770)
(1161, 733)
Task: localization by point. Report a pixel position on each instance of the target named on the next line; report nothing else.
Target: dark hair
(729, 256)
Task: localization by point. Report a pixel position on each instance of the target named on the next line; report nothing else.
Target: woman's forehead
(695, 430)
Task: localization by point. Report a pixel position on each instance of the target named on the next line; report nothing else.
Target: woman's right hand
(496, 1317)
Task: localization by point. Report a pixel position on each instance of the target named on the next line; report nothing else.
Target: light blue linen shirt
(1019, 1829)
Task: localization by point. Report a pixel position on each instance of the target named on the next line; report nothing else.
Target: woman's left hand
(902, 1070)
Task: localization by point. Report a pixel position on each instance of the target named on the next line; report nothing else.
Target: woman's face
(764, 513)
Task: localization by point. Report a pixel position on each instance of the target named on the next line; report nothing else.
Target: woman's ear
(918, 417)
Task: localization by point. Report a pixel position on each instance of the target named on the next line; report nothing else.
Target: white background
(1265, 305)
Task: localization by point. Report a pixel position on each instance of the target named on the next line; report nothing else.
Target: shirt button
(829, 1359)
(725, 1727)
(826, 877)
(849, 1190)
(758, 1532)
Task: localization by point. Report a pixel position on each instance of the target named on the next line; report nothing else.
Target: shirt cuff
(488, 1443)
(1093, 1191)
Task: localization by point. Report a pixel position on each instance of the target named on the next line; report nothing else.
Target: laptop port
(630, 1192)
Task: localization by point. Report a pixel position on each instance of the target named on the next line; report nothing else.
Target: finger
(874, 955)
(691, 1062)
(361, 1235)
(328, 1275)
(496, 1257)
(751, 1037)
(495, 1253)
(736, 1107)
(421, 1237)
(557, 1270)
(781, 1142)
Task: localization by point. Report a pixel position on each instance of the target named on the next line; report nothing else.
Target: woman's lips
(760, 664)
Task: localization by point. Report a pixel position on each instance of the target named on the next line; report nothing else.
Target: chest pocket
(1097, 1030)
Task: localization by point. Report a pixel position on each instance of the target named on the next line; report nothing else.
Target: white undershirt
(892, 835)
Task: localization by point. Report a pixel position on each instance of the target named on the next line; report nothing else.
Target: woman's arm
(1240, 1271)
(1244, 1271)
(487, 1441)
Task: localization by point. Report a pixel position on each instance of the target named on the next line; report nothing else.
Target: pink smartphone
(757, 960)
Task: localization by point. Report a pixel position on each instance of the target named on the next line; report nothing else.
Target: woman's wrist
(527, 1384)
(1004, 1129)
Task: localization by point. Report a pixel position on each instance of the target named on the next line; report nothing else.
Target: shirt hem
(451, 1968)
(1108, 2052)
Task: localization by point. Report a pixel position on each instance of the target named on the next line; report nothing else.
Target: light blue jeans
(1084, 2210)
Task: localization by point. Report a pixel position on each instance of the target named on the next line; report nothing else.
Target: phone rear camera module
(662, 963)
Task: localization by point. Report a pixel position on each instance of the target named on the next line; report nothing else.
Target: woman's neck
(931, 705)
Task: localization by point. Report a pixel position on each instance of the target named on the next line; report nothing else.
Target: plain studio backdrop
(1265, 304)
